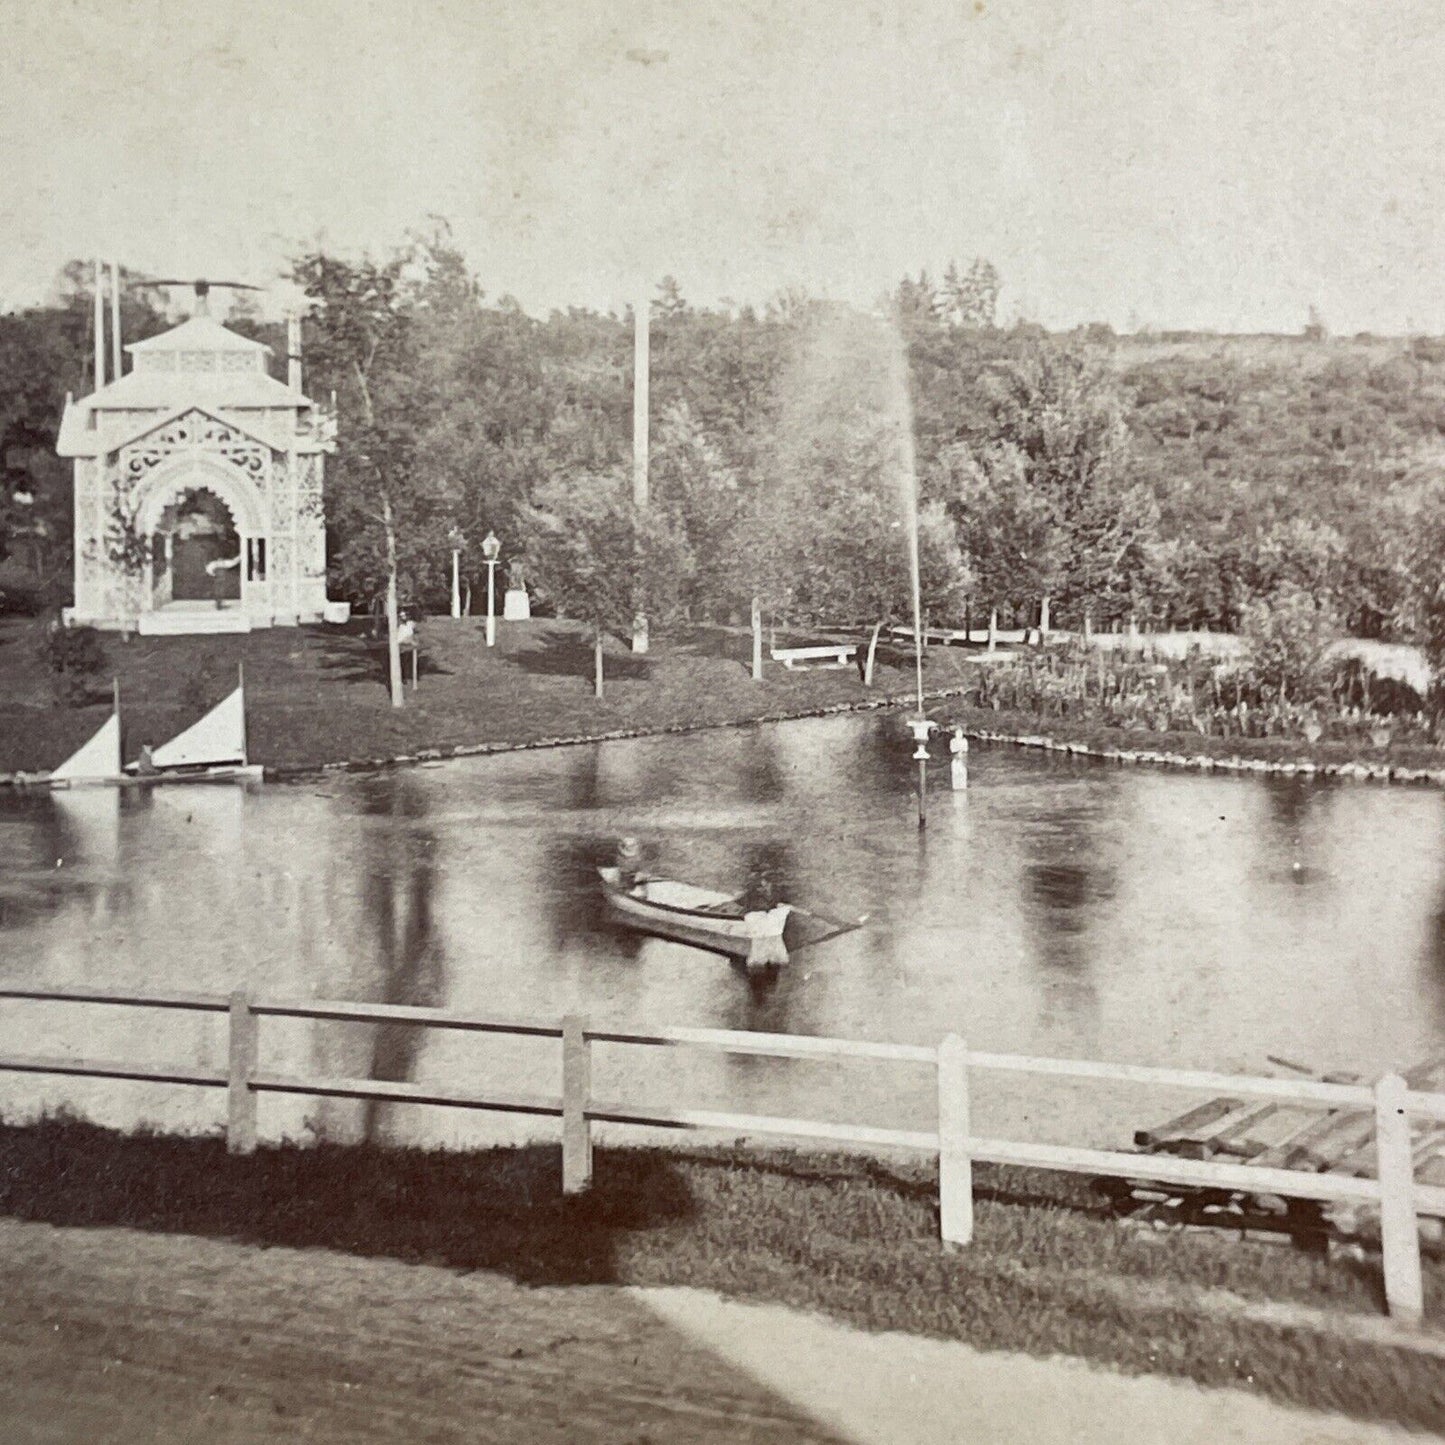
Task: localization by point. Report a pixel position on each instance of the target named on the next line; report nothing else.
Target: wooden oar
(824, 937)
(839, 923)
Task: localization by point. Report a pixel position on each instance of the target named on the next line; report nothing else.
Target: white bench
(839, 654)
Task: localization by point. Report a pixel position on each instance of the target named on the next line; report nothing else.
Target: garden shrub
(75, 658)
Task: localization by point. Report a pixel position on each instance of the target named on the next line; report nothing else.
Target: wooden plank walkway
(1302, 1136)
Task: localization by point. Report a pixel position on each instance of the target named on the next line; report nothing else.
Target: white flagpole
(99, 326)
(115, 320)
(641, 379)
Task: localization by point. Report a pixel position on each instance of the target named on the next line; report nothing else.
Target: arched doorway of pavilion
(197, 551)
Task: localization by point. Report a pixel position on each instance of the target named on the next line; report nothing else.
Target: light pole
(458, 541)
(641, 383)
(921, 728)
(491, 550)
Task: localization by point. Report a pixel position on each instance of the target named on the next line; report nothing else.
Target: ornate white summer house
(198, 490)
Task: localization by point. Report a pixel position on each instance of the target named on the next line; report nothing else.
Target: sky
(1220, 164)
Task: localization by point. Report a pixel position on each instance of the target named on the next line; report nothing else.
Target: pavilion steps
(187, 621)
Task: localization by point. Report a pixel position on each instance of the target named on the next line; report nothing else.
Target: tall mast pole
(115, 321)
(99, 326)
(641, 366)
(641, 377)
(293, 350)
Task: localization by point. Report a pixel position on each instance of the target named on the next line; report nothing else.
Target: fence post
(240, 1098)
(1399, 1231)
(576, 1095)
(955, 1165)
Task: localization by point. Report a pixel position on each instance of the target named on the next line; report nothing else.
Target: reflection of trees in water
(75, 857)
(399, 882)
(1068, 880)
(1296, 810)
(583, 786)
(759, 773)
(884, 756)
(774, 1001)
(569, 893)
(1432, 983)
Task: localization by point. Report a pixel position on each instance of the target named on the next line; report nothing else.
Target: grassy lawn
(318, 694)
(1049, 1272)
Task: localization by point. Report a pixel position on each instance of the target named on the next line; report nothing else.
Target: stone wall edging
(1208, 763)
(1198, 762)
(469, 750)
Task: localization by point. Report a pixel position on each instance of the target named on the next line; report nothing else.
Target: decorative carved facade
(199, 430)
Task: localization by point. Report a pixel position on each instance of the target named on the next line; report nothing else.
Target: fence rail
(1399, 1197)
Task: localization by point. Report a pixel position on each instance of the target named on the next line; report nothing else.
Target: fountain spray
(922, 726)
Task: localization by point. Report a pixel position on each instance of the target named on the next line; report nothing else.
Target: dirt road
(112, 1337)
(109, 1337)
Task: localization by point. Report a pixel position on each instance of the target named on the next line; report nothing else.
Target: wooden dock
(1297, 1136)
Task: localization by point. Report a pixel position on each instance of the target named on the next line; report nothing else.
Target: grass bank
(317, 695)
(1049, 1273)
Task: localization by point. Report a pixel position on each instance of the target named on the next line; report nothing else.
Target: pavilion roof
(200, 333)
(151, 390)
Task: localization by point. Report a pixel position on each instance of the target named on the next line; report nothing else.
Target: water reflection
(1297, 811)
(1070, 886)
(1054, 908)
(65, 854)
(399, 884)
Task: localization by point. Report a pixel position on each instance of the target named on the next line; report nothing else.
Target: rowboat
(719, 922)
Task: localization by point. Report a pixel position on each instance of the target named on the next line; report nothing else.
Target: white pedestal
(337, 612)
(516, 607)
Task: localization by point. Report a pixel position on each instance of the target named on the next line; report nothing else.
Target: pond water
(1056, 907)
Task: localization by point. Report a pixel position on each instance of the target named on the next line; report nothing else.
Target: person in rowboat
(629, 862)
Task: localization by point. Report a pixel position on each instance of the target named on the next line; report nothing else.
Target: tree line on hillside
(1061, 480)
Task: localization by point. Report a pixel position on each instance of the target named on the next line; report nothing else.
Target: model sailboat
(210, 750)
(98, 760)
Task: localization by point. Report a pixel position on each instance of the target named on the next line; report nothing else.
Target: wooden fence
(1399, 1198)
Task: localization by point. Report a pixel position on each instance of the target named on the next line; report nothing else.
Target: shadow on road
(498, 1209)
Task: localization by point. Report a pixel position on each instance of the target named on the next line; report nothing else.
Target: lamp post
(491, 550)
(922, 728)
(458, 541)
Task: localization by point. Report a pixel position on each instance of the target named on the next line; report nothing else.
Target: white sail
(219, 737)
(98, 759)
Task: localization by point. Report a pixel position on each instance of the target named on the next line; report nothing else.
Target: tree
(1056, 446)
(1426, 590)
(45, 352)
(669, 303)
(363, 343)
(970, 300)
(1287, 637)
(1007, 530)
(916, 303)
(602, 560)
(694, 481)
